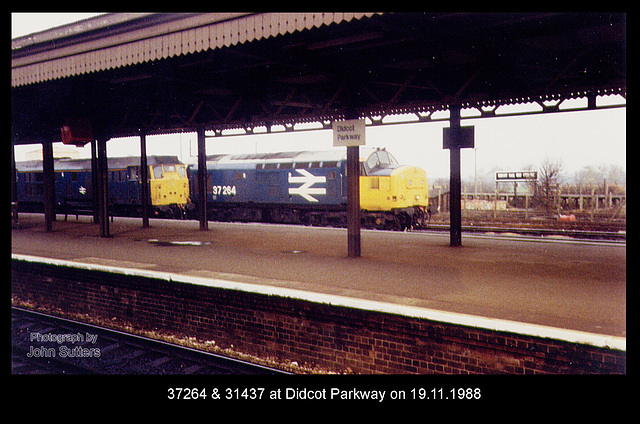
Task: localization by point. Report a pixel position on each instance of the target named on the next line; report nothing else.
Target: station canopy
(163, 73)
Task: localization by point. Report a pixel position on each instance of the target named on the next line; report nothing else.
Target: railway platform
(549, 282)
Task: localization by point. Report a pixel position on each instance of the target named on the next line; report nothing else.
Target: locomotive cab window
(379, 159)
(385, 158)
(373, 161)
(157, 171)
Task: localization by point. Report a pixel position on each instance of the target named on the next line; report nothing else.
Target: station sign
(349, 133)
(517, 176)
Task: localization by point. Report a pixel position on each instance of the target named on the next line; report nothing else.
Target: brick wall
(331, 338)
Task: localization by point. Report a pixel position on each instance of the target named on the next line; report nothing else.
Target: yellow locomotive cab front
(404, 187)
(387, 186)
(168, 185)
(412, 186)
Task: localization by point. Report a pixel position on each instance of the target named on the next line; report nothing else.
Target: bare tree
(550, 176)
(596, 175)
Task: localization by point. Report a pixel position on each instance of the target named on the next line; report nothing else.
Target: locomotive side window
(133, 173)
(34, 177)
(118, 175)
(363, 170)
(157, 171)
(181, 170)
(209, 188)
(34, 186)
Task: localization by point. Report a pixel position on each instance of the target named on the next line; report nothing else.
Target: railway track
(44, 344)
(592, 231)
(572, 233)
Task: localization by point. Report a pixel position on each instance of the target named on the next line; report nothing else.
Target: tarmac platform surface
(559, 283)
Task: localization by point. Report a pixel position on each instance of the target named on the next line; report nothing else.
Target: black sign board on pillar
(455, 138)
(462, 136)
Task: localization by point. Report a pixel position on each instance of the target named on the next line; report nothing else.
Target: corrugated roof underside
(194, 34)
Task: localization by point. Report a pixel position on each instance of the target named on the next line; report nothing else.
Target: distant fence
(505, 201)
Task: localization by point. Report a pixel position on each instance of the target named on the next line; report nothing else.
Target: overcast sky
(28, 23)
(578, 139)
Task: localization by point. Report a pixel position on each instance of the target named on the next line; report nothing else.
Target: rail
(573, 233)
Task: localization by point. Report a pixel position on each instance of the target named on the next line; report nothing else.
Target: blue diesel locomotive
(74, 191)
(306, 187)
(310, 188)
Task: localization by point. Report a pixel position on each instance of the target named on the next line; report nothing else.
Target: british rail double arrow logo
(305, 190)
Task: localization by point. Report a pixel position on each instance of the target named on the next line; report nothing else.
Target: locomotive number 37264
(224, 190)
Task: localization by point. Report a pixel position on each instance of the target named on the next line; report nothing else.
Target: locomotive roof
(286, 157)
(82, 164)
(279, 157)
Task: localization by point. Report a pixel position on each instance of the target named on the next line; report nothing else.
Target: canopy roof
(158, 73)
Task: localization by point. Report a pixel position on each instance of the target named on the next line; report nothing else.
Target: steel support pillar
(49, 184)
(144, 180)
(103, 188)
(455, 191)
(202, 180)
(14, 187)
(95, 189)
(353, 201)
